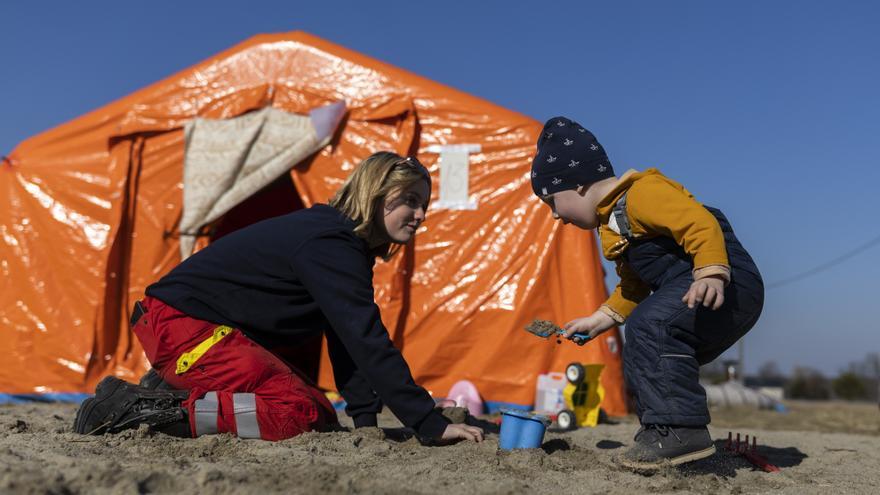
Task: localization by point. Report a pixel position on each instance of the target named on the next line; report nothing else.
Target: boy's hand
(593, 325)
(709, 291)
(461, 432)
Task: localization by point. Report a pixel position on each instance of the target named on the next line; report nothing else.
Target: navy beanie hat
(569, 156)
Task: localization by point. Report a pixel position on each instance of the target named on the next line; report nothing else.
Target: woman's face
(403, 211)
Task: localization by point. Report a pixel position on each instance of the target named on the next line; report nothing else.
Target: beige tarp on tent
(228, 160)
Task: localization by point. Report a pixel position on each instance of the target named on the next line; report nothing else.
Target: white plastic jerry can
(548, 392)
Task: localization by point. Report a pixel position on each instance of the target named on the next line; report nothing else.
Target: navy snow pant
(666, 342)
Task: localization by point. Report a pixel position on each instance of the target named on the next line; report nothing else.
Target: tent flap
(227, 161)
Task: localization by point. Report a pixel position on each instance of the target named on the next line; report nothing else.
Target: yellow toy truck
(572, 398)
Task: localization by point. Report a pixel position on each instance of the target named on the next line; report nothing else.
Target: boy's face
(573, 206)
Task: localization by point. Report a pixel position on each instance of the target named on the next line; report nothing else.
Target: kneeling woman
(208, 327)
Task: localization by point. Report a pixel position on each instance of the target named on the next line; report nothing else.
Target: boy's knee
(642, 335)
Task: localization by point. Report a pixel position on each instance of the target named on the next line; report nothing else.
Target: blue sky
(767, 110)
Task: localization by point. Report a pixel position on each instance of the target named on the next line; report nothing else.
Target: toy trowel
(544, 329)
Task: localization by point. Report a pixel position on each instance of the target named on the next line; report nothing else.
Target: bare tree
(769, 372)
(868, 370)
(872, 360)
(808, 383)
(872, 363)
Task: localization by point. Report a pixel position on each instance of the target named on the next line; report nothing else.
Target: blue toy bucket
(522, 430)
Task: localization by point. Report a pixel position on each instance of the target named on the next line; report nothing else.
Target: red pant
(236, 386)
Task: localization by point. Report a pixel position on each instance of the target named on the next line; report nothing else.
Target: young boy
(688, 289)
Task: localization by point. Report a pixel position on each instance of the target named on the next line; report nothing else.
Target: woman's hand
(593, 325)
(461, 432)
(708, 290)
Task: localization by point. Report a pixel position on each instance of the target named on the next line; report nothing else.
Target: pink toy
(465, 394)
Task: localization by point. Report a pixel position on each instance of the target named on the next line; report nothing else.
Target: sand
(40, 454)
(543, 328)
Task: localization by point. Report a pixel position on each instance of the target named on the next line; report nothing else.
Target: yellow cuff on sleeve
(713, 270)
(613, 314)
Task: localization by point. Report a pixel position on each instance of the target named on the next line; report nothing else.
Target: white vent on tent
(454, 175)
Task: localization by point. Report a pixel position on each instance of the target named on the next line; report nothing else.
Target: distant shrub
(849, 386)
(807, 383)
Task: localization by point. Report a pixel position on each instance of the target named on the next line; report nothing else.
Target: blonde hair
(373, 179)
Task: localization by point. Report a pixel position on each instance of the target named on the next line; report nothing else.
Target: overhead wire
(825, 266)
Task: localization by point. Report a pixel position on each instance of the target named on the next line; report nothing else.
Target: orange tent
(91, 210)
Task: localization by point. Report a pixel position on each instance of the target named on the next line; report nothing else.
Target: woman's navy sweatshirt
(293, 276)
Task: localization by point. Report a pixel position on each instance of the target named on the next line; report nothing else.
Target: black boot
(153, 381)
(658, 445)
(119, 405)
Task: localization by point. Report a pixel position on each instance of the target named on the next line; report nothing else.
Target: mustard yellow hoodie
(657, 206)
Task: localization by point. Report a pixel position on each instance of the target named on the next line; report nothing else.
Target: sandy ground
(821, 448)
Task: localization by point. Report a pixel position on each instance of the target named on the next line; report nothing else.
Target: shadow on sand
(725, 463)
(404, 434)
(555, 445)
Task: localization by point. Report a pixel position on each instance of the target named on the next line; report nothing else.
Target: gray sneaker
(659, 445)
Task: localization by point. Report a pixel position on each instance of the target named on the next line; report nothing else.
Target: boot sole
(106, 388)
(672, 461)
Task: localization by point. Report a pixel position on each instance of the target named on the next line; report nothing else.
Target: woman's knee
(291, 416)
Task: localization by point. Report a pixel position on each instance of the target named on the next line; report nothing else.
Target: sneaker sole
(673, 461)
(693, 456)
(106, 388)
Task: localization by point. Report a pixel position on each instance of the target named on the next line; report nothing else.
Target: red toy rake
(750, 452)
